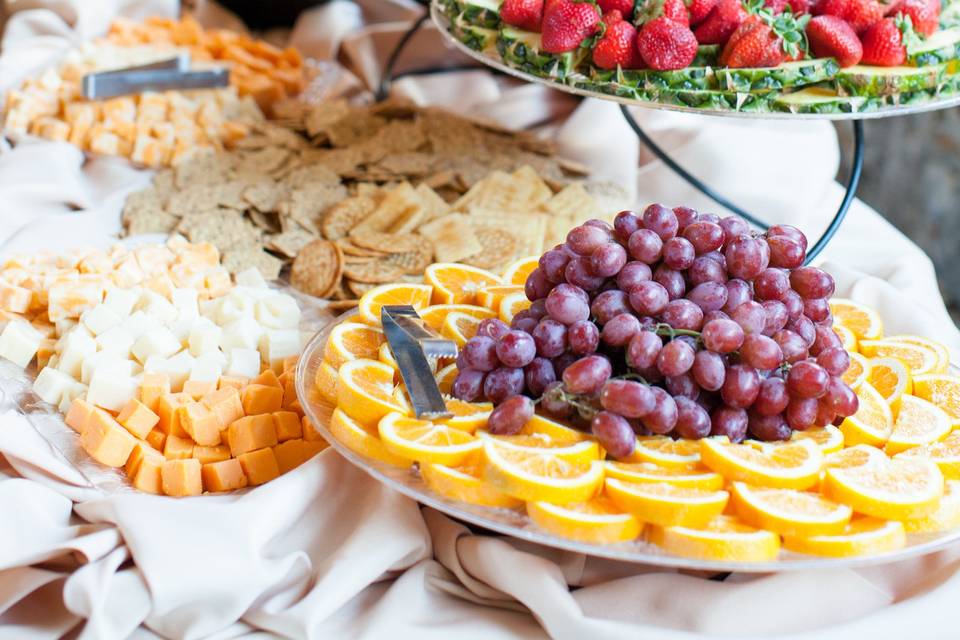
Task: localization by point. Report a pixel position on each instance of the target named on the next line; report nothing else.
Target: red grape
(649, 298)
(584, 337)
(722, 336)
(785, 252)
(685, 216)
(744, 257)
(660, 220)
(817, 309)
(771, 284)
(553, 401)
(807, 380)
(538, 374)
(614, 433)
(645, 245)
(480, 353)
(675, 358)
(609, 304)
(510, 416)
(730, 422)
(835, 360)
(553, 263)
(811, 282)
(709, 296)
(706, 269)
(537, 286)
(632, 274)
(801, 413)
(503, 382)
(733, 227)
(740, 386)
(788, 231)
(709, 370)
(468, 385)
(772, 398)
(683, 314)
(624, 224)
(608, 259)
(738, 292)
(792, 346)
(793, 302)
(587, 375)
(704, 236)
(516, 349)
(693, 421)
(769, 428)
(627, 398)
(618, 331)
(670, 280)
(760, 352)
(682, 386)
(566, 304)
(643, 350)
(585, 239)
(580, 274)
(550, 338)
(751, 317)
(663, 417)
(776, 316)
(678, 253)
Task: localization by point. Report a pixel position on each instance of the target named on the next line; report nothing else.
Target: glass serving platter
(492, 59)
(515, 523)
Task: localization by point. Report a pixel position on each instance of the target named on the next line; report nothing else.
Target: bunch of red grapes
(670, 322)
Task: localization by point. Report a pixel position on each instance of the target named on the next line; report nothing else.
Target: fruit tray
(696, 88)
(517, 524)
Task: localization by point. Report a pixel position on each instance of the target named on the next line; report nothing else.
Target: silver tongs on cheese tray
(173, 73)
(414, 345)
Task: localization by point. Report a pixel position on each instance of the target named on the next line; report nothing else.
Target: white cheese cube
(117, 340)
(178, 369)
(210, 308)
(159, 342)
(185, 301)
(243, 333)
(51, 384)
(19, 342)
(110, 390)
(100, 319)
(204, 337)
(122, 301)
(64, 325)
(279, 311)
(244, 363)
(77, 346)
(71, 393)
(234, 306)
(156, 306)
(206, 369)
(107, 362)
(139, 323)
(278, 344)
(251, 278)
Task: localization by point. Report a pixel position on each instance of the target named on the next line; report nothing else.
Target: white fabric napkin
(326, 551)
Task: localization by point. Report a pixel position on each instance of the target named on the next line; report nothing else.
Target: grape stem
(664, 329)
(586, 410)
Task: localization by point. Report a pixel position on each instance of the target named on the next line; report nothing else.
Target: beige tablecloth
(325, 551)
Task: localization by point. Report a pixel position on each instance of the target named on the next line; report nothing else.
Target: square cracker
(452, 236)
(572, 201)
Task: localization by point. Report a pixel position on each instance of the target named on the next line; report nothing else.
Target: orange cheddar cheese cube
(141, 451)
(259, 466)
(251, 432)
(310, 432)
(289, 454)
(225, 475)
(287, 424)
(153, 387)
(157, 439)
(200, 423)
(105, 440)
(169, 418)
(176, 448)
(181, 477)
(313, 447)
(78, 414)
(137, 418)
(259, 398)
(197, 389)
(267, 378)
(147, 478)
(226, 405)
(206, 455)
(232, 382)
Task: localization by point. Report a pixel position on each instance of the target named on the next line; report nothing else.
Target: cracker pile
(355, 196)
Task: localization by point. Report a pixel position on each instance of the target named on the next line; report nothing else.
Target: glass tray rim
(441, 21)
(408, 483)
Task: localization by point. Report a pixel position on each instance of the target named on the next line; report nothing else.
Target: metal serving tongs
(173, 73)
(413, 345)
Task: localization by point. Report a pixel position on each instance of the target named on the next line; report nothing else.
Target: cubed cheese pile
(149, 343)
(152, 128)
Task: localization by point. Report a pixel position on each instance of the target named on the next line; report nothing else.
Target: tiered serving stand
(517, 524)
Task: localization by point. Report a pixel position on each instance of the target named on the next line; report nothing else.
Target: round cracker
(413, 262)
(345, 215)
(318, 268)
(388, 242)
(373, 272)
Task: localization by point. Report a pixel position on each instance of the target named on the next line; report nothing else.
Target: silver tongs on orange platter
(173, 73)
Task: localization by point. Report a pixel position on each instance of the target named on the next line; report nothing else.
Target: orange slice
(665, 451)
(467, 416)
(491, 296)
(326, 382)
(872, 422)
(425, 441)
(351, 340)
(891, 378)
(351, 433)
(688, 477)
(946, 517)
(857, 372)
(723, 539)
(919, 359)
(517, 272)
(862, 537)
(945, 453)
(666, 504)
(455, 283)
(897, 489)
(577, 451)
(848, 340)
(789, 512)
(365, 391)
(863, 321)
(445, 378)
(540, 476)
(828, 438)
(466, 484)
(793, 465)
(512, 304)
(943, 355)
(597, 521)
(919, 422)
(543, 426)
(460, 327)
(941, 390)
(855, 456)
(435, 314)
(416, 295)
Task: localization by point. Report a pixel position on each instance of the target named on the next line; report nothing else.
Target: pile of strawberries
(665, 34)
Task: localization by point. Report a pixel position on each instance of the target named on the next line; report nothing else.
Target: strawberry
(525, 14)
(765, 40)
(617, 47)
(666, 44)
(566, 24)
(721, 23)
(799, 7)
(651, 9)
(699, 10)
(625, 7)
(775, 6)
(883, 44)
(859, 13)
(832, 37)
(924, 14)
